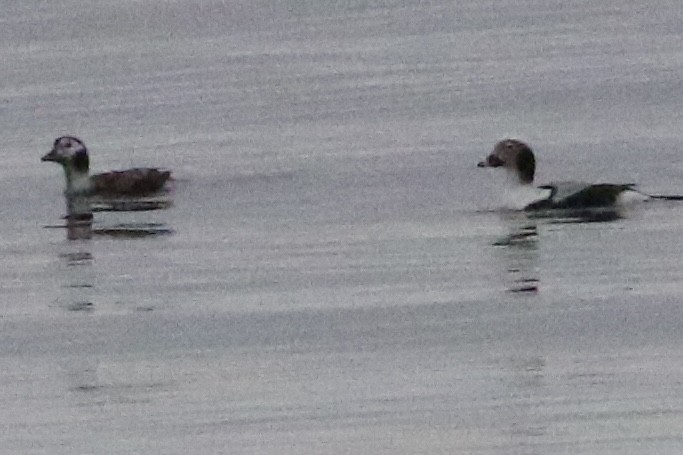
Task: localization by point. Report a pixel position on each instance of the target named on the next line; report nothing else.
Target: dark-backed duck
(518, 160)
(72, 154)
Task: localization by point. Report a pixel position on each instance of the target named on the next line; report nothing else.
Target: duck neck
(518, 179)
(77, 182)
(77, 196)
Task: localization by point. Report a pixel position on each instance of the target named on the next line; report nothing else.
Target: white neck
(518, 195)
(514, 178)
(77, 183)
(77, 192)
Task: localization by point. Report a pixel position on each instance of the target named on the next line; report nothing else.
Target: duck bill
(50, 156)
(491, 161)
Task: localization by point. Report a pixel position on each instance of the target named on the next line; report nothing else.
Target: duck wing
(131, 182)
(575, 195)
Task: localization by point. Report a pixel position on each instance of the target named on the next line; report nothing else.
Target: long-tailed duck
(72, 154)
(518, 160)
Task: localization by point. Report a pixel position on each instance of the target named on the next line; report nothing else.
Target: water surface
(333, 275)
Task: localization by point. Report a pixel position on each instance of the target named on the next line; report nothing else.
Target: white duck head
(514, 156)
(72, 154)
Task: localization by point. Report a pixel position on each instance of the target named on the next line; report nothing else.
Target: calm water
(333, 275)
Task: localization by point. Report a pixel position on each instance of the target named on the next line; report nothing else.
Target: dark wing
(570, 195)
(600, 195)
(131, 182)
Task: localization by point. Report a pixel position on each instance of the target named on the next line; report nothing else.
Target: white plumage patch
(518, 197)
(629, 197)
(78, 183)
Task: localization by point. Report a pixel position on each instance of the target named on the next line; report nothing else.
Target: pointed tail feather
(667, 197)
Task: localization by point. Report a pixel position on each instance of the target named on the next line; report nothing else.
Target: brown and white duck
(72, 154)
(518, 160)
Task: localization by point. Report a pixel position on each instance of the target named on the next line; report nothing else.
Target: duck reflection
(78, 278)
(588, 215)
(77, 272)
(80, 224)
(520, 248)
(520, 244)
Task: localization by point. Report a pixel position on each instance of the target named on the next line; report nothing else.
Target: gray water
(334, 275)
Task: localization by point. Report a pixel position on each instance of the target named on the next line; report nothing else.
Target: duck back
(131, 182)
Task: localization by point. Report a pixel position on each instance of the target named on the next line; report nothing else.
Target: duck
(72, 154)
(517, 158)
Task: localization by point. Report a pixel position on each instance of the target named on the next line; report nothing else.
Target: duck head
(514, 156)
(70, 152)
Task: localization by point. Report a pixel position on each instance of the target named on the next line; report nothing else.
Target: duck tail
(667, 197)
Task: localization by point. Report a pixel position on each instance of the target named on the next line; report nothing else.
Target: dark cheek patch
(526, 163)
(81, 161)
